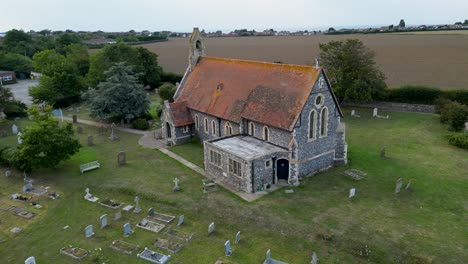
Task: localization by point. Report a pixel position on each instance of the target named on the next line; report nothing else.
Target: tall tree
(402, 23)
(18, 63)
(17, 41)
(352, 70)
(46, 142)
(78, 55)
(120, 96)
(66, 39)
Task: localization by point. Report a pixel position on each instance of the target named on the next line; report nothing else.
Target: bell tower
(197, 47)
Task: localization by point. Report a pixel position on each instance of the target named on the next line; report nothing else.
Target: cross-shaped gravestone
(127, 230)
(118, 215)
(227, 248)
(237, 237)
(352, 192)
(399, 182)
(30, 260)
(181, 220)
(103, 220)
(151, 211)
(314, 259)
(211, 228)
(89, 231)
(137, 205)
(176, 186)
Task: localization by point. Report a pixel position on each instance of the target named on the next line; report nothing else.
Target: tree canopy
(144, 62)
(18, 63)
(402, 23)
(46, 142)
(352, 70)
(167, 91)
(17, 41)
(120, 96)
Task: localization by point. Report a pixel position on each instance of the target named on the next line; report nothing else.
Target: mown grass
(426, 225)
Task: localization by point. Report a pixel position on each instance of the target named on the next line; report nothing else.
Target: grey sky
(183, 15)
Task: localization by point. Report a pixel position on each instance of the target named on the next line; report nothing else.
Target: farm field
(422, 59)
(425, 225)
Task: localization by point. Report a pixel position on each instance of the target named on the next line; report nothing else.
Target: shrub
(455, 115)
(416, 94)
(459, 140)
(15, 109)
(141, 124)
(171, 77)
(167, 91)
(460, 96)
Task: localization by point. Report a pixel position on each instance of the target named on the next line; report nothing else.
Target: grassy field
(405, 59)
(437, 32)
(427, 225)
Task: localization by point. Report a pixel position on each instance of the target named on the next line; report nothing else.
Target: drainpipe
(274, 168)
(252, 175)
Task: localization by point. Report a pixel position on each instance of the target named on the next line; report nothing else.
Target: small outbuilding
(7, 77)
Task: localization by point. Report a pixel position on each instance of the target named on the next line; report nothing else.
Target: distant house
(100, 41)
(7, 77)
(261, 123)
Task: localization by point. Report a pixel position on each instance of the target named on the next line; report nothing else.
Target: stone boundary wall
(402, 107)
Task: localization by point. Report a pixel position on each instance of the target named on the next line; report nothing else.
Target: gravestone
(79, 130)
(181, 220)
(30, 260)
(382, 153)
(176, 187)
(151, 211)
(75, 119)
(314, 259)
(121, 158)
(14, 129)
(90, 140)
(20, 141)
(375, 113)
(88, 196)
(398, 185)
(353, 113)
(237, 237)
(227, 248)
(137, 205)
(103, 220)
(127, 230)
(89, 231)
(118, 215)
(268, 257)
(8, 173)
(128, 208)
(211, 228)
(408, 186)
(113, 136)
(352, 192)
(27, 187)
(16, 230)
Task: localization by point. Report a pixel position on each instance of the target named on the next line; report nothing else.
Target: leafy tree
(167, 91)
(454, 114)
(43, 43)
(144, 62)
(18, 63)
(6, 97)
(78, 55)
(60, 83)
(120, 96)
(66, 39)
(46, 142)
(465, 22)
(352, 70)
(17, 41)
(402, 23)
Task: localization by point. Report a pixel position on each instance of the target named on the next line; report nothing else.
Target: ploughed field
(419, 59)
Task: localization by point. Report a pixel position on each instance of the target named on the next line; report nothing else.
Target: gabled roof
(180, 113)
(270, 93)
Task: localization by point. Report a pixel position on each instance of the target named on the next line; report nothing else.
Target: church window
(185, 129)
(235, 167)
(206, 125)
(251, 129)
(227, 129)
(319, 100)
(213, 128)
(215, 158)
(266, 133)
(267, 164)
(312, 124)
(324, 122)
(196, 121)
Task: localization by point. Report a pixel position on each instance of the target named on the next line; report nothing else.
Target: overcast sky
(226, 15)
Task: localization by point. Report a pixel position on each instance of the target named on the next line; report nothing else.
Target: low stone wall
(403, 107)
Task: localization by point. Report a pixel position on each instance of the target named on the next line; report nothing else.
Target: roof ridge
(261, 62)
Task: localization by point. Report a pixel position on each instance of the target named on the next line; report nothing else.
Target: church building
(261, 123)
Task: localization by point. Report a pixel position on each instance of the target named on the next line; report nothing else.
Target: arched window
(213, 128)
(227, 129)
(324, 122)
(312, 124)
(206, 125)
(266, 133)
(196, 121)
(251, 129)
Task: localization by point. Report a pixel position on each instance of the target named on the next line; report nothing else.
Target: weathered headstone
(151, 211)
(398, 185)
(237, 237)
(103, 220)
(227, 248)
(14, 129)
(113, 136)
(88, 196)
(176, 187)
(121, 158)
(211, 228)
(314, 259)
(353, 113)
(8, 173)
(30, 260)
(181, 220)
(27, 187)
(75, 119)
(375, 112)
(137, 205)
(89, 231)
(118, 215)
(20, 141)
(90, 140)
(127, 230)
(79, 130)
(352, 192)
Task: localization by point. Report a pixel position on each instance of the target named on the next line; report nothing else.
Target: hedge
(459, 140)
(419, 94)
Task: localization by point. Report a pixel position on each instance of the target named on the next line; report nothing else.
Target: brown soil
(435, 60)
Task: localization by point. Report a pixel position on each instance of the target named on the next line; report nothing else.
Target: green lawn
(423, 226)
(192, 151)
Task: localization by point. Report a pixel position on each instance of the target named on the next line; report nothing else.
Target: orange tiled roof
(180, 113)
(270, 93)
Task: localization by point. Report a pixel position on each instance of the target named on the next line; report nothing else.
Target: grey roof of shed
(246, 147)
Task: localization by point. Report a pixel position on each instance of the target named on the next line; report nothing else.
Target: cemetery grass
(378, 226)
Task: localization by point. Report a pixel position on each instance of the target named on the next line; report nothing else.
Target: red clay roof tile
(180, 113)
